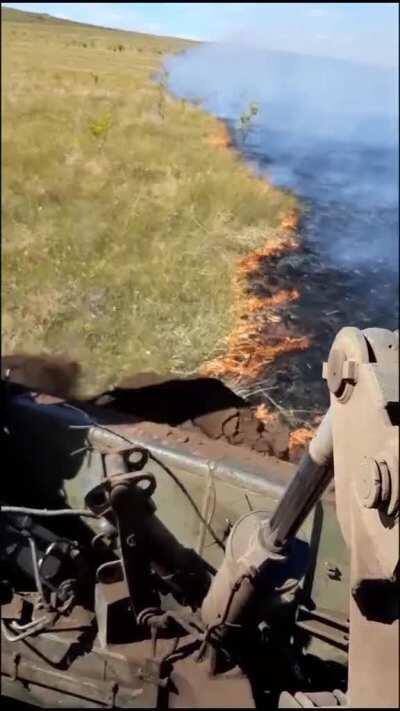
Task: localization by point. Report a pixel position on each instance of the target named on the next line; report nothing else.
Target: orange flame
(301, 437)
(221, 138)
(249, 264)
(248, 355)
(298, 441)
(258, 303)
(248, 349)
(265, 416)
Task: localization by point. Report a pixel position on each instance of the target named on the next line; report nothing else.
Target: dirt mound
(198, 403)
(195, 403)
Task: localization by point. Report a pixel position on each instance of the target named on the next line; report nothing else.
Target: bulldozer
(143, 566)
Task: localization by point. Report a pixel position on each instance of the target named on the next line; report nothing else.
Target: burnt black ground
(330, 299)
(326, 130)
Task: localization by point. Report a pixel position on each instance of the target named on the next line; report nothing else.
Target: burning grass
(258, 337)
(256, 341)
(264, 415)
(298, 442)
(220, 138)
(249, 264)
(299, 439)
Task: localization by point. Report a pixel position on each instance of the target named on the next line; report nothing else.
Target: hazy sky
(360, 31)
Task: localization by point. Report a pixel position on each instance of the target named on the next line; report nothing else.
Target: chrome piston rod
(312, 477)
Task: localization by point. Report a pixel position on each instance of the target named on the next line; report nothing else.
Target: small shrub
(100, 127)
(246, 120)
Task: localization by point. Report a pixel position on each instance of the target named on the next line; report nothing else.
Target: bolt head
(131, 540)
(369, 484)
(334, 370)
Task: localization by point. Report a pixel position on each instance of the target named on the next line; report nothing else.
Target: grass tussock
(123, 224)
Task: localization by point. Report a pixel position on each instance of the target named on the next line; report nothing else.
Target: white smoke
(326, 128)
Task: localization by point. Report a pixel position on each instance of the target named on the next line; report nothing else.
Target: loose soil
(196, 403)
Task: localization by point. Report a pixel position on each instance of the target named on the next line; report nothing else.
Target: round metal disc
(335, 370)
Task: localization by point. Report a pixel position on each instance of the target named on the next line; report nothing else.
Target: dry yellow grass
(122, 222)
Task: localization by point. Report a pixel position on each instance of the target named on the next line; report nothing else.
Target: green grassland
(121, 223)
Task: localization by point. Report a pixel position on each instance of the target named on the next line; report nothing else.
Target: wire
(97, 538)
(210, 491)
(26, 633)
(160, 464)
(190, 499)
(222, 623)
(27, 630)
(47, 512)
(77, 409)
(36, 571)
(22, 628)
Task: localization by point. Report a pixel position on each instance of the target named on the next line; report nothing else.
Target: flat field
(122, 217)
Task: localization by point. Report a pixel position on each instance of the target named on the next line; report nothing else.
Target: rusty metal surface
(77, 686)
(13, 610)
(219, 476)
(363, 430)
(225, 483)
(325, 625)
(328, 579)
(69, 659)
